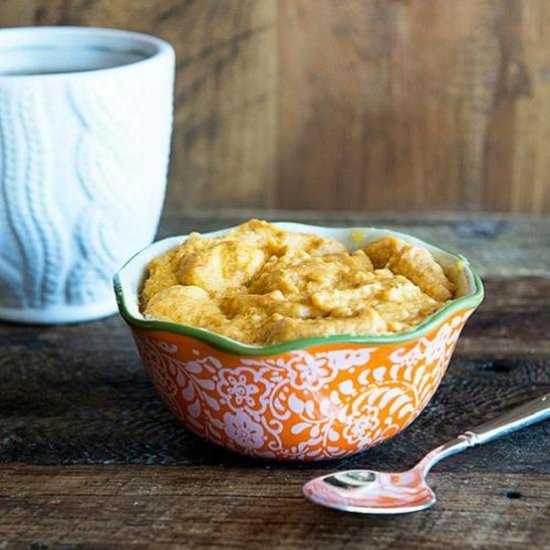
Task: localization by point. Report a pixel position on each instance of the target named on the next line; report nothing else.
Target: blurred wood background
(346, 104)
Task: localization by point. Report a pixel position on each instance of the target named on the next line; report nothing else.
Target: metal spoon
(370, 492)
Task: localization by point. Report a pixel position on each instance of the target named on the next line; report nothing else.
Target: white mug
(85, 125)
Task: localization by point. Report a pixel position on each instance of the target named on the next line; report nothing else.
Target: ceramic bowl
(311, 399)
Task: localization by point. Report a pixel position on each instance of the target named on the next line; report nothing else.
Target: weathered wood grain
(79, 395)
(414, 105)
(497, 245)
(116, 507)
(347, 104)
(90, 458)
(516, 171)
(225, 135)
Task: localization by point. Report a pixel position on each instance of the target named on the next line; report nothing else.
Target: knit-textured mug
(85, 125)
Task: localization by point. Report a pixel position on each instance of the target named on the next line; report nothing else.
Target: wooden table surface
(90, 458)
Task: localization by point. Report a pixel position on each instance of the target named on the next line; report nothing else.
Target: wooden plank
(380, 110)
(347, 104)
(224, 142)
(513, 321)
(78, 394)
(90, 458)
(331, 76)
(116, 507)
(517, 162)
(497, 245)
(355, 129)
(14, 14)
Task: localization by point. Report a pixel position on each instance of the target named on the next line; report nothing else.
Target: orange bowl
(312, 399)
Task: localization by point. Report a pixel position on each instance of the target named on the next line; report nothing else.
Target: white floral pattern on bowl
(305, 404)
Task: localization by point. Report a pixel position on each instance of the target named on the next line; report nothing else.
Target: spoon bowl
(368, 492)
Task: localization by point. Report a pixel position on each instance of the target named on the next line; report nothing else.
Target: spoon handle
(511, 421)
(516, 419)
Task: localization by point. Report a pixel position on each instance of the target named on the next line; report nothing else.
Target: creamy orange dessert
(259, 284)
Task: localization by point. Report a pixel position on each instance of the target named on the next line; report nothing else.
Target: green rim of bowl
(469, 301)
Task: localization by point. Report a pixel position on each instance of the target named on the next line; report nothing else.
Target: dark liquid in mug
(42, 72)
(50, 60)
